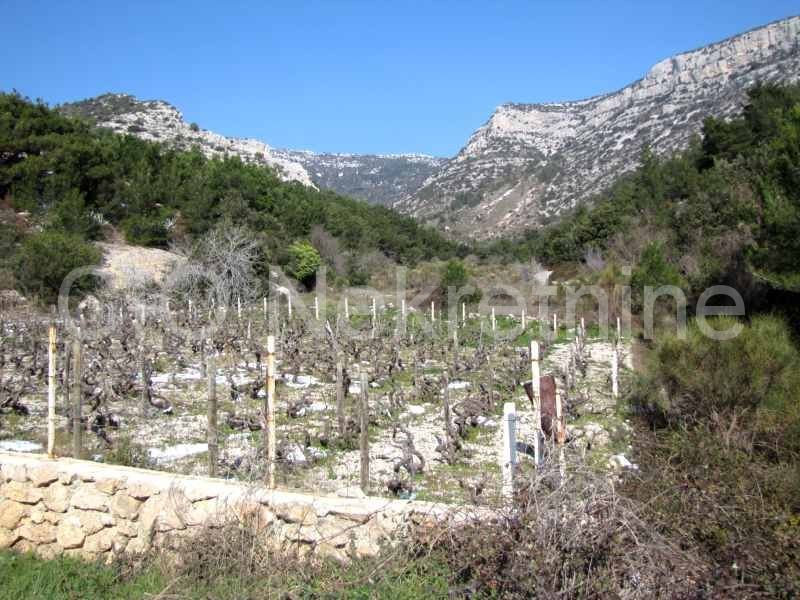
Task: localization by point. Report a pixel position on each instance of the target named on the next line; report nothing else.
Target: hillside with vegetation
(707, 506)
(64, 183)
(726, 210)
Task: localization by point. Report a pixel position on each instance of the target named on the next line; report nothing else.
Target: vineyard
(384, 401)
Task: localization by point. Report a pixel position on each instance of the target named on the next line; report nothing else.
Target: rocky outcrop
(159, 121)
(127, 266)
(532, 162)
(96, 511)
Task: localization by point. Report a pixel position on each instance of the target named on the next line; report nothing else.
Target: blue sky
(353, 76)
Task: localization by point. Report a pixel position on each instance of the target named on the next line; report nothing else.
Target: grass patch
(64, 578)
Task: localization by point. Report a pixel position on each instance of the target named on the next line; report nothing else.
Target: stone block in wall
(12, 472)
(99, 542)
(70, 533)
(20, 492)
(141, 490)
(8, 537)
(108, 485)
(43, 533)
(91, 521)
(124, 506)
(43, 475)
(56, 497)
(11, 513)
(296, 513)
(88, 497)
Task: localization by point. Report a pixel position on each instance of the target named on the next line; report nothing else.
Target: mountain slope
(376, 178)
(531, 163)
(159, 121)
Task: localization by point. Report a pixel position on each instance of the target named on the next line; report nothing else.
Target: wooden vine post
(508, 459)
(269, 412)
(51, 392)
(446, 408)
(537, 400)
(364, 426)
(143, 374)
(340, 416)
(77, 397)
(212, 435)
(615, 372)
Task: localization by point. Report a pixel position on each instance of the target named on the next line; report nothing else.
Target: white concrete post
(374, 312)
(508, 459)
(248, 329)
(555, 325)
(494, 323)
(239, 308)
(523, 319)
(463, 313)
(289, 303)
(433, 311)
(583, 328)
(316, 308)
(346, 308)
(619, 330)
(265, 307)
(51, 393)
(403, 308)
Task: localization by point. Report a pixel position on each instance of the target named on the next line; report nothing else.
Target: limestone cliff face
(530, 163)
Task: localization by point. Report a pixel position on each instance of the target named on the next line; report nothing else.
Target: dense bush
(653, 270)
(44, 259)
(304, 260)
(745, 386)
(720, 466)
(739, 510)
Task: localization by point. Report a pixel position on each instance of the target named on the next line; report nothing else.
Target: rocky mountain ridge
(530, 163)
(159, 121)
(378, 179)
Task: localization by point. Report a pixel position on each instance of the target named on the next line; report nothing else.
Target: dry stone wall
(91, 510)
